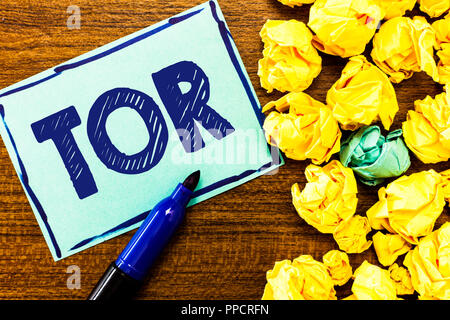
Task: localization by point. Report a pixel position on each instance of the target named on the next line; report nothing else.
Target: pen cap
(114, 285)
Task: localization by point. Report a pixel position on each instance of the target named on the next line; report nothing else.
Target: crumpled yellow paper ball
(409, 205)
(362, 95)
(434, 8)
(307, 131)
(351, 234)
(318, 283)
(373, 283)
(389, 247)
(342, 27)
(442, 29)
(403, 46)
(329, 196)
(427, 129)
(303, 279)
(402, 279)
(429, 265)
(292, 3)
(290, 62)
(284, 282)
(396, 8)
(338, 266)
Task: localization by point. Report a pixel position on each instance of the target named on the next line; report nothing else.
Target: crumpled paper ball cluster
(407, 210)
(405, 215)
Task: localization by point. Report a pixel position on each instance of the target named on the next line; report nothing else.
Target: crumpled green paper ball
(374, 157)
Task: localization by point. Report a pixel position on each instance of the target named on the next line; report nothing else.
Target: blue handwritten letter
(153, 119)
(184, 108)
(57, 127)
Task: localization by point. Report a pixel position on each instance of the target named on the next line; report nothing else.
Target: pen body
(153, 234)
(124, 276)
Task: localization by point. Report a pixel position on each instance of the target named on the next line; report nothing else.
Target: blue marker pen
(126, 274)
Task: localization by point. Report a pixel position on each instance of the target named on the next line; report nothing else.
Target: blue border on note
(228, 42)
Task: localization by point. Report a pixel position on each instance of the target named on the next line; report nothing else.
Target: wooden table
(227, 243)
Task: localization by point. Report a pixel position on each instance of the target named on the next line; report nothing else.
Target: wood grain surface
(227, 243)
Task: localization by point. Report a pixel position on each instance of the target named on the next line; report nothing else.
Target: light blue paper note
(99, 140)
